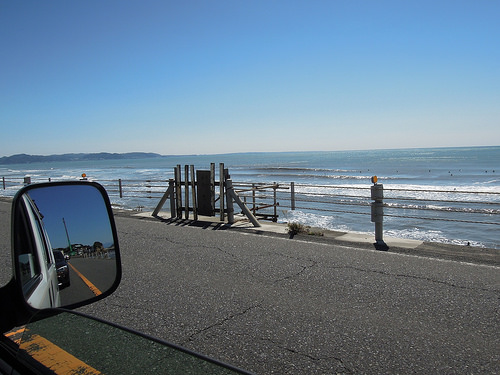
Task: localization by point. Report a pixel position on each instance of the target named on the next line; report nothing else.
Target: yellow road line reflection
(16, 336)
(91, 286)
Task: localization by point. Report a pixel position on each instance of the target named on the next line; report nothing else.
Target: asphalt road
(100, 273)
(276, 305)
(287, 306)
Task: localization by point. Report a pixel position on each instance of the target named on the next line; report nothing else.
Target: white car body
(40, 284)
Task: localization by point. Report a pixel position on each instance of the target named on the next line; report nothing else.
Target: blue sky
(203, 77)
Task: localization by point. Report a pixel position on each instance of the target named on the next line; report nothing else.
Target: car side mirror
(64, 244)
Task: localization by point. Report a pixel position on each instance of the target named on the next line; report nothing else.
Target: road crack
(416, 277)
(346, 370)
(221, 322)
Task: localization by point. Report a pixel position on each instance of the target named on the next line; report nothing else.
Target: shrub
(296, 228)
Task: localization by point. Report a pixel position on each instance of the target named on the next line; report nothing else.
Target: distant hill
(24, 158)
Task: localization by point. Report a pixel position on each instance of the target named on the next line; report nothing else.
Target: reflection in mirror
(69, 256)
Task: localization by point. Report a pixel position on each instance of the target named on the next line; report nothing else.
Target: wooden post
(171, 188)
(120, 187)
(178, 193)
(292, 197)
(168, 193)
(3, 180)
(212, 185)
(186, 190)
(193, 194)
(253, 198)
(221, 191)
(230, 207)
(275, 187)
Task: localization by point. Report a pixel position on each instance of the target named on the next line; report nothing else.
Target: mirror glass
(65, 244)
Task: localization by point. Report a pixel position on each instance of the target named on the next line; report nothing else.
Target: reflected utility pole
(67, 236)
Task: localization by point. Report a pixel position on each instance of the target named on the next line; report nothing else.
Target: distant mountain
(24, 158)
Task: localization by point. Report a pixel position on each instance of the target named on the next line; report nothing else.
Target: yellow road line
(91, 286)
(55, 358)
(12, 333)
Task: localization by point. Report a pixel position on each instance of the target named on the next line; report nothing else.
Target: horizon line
(245, 152)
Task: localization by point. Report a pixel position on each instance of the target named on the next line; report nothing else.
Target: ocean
(469, 175)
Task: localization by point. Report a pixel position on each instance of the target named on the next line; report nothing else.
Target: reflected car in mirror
(62, 269)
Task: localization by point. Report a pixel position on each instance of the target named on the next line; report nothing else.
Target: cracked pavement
(285, 306)
(281, 306)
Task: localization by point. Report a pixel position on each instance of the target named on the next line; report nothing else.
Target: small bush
(296, 228)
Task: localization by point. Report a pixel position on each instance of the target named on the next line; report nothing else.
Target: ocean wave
(302, 177)
(272, 169)
(465, 194)
(490, 182)
(430, 236)
(434, 207)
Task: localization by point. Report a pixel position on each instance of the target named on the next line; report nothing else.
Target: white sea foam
(429, 236)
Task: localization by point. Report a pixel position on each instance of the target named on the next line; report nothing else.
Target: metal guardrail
(460, 206)
(265, 199)
(130, 190)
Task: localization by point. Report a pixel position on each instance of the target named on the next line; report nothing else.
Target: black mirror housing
(64, 247)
